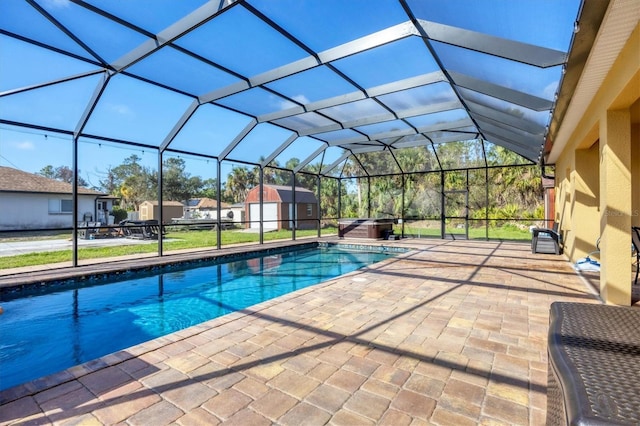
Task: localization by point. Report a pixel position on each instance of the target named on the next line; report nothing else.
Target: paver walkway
(452, 333)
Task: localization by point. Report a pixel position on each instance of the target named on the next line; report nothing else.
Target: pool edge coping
(76, 372)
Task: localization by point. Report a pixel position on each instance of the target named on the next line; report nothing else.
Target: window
(57, 206)
(309, 210)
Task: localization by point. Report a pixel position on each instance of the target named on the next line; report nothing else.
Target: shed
(170, 209)
(278, 208)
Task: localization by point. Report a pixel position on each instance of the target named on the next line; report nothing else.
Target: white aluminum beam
(237, 139)
(193, 20)
(506, 118)
(279, 150)
(179, 125)
(309, 159)
(537, 56)
(500, 92)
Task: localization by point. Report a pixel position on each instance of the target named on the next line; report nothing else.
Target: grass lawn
(177, 241)
(505, 232)
(205, 238)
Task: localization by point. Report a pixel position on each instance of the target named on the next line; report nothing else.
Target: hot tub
(365, 228)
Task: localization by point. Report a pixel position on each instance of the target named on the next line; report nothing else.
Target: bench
(141, 229)
(593, 365)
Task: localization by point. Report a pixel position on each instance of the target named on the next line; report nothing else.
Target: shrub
(119, 214)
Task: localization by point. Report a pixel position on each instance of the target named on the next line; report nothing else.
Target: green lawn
(205, 238)
(176, 241)
(505, 232)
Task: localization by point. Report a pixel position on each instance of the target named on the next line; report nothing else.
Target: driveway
(23, 247)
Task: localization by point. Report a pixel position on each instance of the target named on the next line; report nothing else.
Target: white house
(207, 209)
(204, 208)
(30, 201)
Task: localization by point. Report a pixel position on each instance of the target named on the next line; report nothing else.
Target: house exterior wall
(103, 211)
(238, 214)
(23, 211)
(212, 214)
(598, 179)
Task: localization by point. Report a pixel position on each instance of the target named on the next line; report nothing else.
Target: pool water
(42, 333)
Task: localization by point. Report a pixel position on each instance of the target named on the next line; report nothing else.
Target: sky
(133, 110)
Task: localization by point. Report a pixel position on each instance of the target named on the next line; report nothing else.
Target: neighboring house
(31, 201)
(238, 212)
(206, 208)
(278, 208)
(170, 210)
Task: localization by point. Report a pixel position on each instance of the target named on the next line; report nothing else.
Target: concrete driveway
(23, 247)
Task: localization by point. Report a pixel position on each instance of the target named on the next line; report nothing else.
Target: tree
(62, 173)
(239, 182)
(134, 183)
(48, 172)
(131, 182)
(209, 189)
(178, 185)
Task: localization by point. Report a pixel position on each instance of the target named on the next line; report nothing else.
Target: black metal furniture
(545, 240)
(141, 229)
(594, 365)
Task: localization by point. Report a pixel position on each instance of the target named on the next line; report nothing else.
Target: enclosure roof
(265, 82)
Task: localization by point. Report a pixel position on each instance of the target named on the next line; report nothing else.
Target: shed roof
(164, 203)
(206, 203)
(303, 195)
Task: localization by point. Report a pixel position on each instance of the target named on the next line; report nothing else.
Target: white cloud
(24, 145)
(120, 109)
(58, 3)
(549, 92)
(302, 99)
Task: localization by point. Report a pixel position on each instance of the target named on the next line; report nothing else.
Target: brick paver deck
(453, 332)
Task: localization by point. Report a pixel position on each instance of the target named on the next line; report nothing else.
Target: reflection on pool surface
(43, 333)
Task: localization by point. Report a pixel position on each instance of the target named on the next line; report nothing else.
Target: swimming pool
(74, 322)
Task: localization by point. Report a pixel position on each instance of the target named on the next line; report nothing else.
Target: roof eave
(588, 27)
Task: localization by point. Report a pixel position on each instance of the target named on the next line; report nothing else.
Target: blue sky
(130, 109)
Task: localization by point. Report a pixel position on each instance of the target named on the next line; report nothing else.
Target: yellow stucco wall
(635, 171)
(598, 174)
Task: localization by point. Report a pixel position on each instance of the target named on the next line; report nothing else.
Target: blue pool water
(42, 333)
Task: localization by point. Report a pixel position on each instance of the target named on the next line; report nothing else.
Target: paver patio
(453, 332)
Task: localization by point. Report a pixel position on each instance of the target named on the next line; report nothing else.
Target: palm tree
(239, 182)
